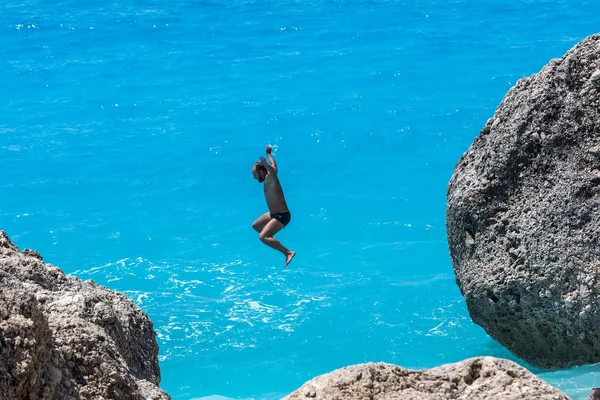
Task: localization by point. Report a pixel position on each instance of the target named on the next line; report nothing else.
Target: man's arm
(272, 172)
(271, 159)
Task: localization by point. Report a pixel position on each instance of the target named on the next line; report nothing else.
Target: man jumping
(268, 224)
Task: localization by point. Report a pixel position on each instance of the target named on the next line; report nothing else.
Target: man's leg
(266, 236)
(261, 221)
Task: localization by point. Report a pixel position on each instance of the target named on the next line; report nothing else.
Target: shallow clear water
(129, 128)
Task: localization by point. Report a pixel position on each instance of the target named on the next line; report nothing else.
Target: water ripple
(208, 305)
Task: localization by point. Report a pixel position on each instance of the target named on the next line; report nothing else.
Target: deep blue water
(129, 128)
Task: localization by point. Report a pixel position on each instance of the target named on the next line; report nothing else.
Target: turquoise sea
(128, 130)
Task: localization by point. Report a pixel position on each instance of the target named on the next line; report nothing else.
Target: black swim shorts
(284, 218)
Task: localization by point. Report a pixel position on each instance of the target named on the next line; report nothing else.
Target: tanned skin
(267, 225)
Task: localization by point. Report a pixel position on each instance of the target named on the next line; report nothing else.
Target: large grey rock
(523, 218)
(62, 338)
(472, 379)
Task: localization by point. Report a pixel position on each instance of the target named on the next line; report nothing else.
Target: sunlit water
(128, 132)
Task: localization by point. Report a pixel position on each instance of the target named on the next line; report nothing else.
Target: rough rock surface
(62, 338)
(523, 218)
(473, 379)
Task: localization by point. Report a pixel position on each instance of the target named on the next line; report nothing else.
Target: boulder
(474, 379)
(62, 338)
(522, 215)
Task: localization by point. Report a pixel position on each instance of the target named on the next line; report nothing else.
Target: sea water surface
(128, 130)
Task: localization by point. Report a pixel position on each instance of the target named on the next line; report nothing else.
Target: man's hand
(262, 161)
(271, 160)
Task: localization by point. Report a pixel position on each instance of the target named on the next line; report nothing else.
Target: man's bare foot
(288, 258)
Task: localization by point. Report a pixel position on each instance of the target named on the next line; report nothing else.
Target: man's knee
(262, 237)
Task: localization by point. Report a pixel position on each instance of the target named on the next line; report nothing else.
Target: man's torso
(274, 196)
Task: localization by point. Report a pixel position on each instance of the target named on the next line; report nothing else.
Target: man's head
(259, 172)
